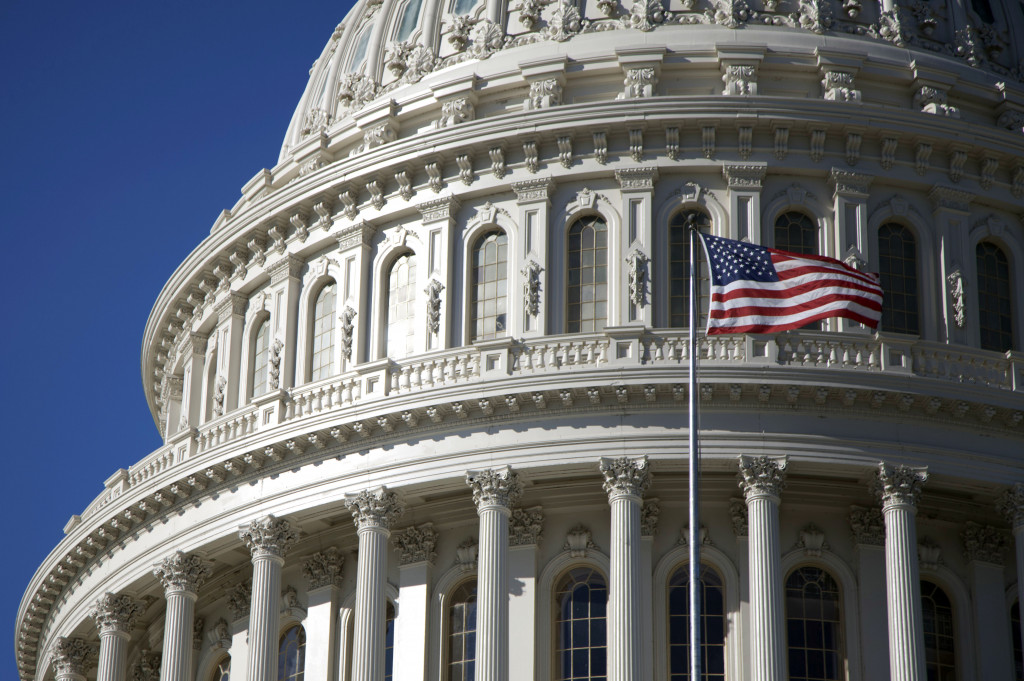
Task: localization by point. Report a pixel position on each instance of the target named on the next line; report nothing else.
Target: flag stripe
(762, 290)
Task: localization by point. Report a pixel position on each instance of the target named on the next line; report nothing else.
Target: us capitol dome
(423, 388)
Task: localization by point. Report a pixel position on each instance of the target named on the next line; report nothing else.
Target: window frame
(918, 278)
(843, 653)
(319, 286)
(478, 233)
(611, 271)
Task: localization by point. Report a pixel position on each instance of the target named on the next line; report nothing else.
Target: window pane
(488, 286)
(679, 270)
(587, 256)
(401, 330)
(291, 659)
(261, 357)
(323, 333)
(462, 632)
(580, 645)
(897, 265)
(995, 316)
(813, 625)
(939, 644)
(796, 232)
(712, 624)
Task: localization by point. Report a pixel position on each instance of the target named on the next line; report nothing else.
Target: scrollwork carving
(762, 476)
(495, 487)
(433, 292)
(374, 508)
(323, 568)
(182, 572)
(116, 612)
(269, 536)
(625, 477)
(525, 526)
(416, 544)
(531, 287)
(898, 485)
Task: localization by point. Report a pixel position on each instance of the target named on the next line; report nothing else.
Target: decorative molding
(838, 86)
(984, 543)
(950, 198)
(347, 319)
(649, 513)
(739, 79)
(1011, 505)
(934, 100)
(436, 210)
(324, 568)
(738, 516)
(812, 541)
(636, 178)
(846, 182)
(636, 264)
(544, 94)
(578, 542)
(749, 176)
(525, 526)
(867, 525)
(929, 554)
(466, 555)
(703, 536)
(239, 599)
(533, 190)
(416, 544)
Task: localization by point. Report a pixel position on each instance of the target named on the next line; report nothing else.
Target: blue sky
(127, 128)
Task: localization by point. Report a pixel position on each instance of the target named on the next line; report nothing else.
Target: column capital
(323, 568)
(984, 543)
(899, 484)
(71, 656)
(495, 487)
(416, 544)
(867, 525)
(374, 508)
(239, 600)
(183, 572)
(625, 476)
(1011, 503)
(525, 527)
(114, 612)
(762, 476)
(268, 536)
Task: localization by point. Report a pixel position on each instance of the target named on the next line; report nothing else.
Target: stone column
(269, 539)
(899, 487)
(868, 529)
(984, 549)
(71, 658)
(494, 492)
(1012, 505)
(323, 570)
(182, 575)
(625, 481)
(374, 512)
(239, 597)
(763, 479)
(115, 618)
(415, 563)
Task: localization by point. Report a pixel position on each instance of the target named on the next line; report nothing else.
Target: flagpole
(694, 538)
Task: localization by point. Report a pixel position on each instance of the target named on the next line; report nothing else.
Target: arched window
(462, 633)
(587, 293)
(323, 333)
(291, 655)
(995, 311)
(813, 629)
(679, 266)
(581, 600)
(260, 359)
(897, 269)
(401, 330)
(389, 642)
(410, 17)
(939, 640)
(222, 672)
(712, 624)
(1018, 649)
(359, 55)
(463, 6)
(796, 232)
(489, 286)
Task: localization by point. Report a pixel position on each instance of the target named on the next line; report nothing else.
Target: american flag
(761, 290)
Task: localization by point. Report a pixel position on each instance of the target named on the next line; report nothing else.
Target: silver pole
(694, 538)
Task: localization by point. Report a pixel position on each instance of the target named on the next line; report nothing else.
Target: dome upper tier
(383, 45)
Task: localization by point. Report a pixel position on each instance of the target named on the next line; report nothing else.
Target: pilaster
(268, 539)
(374, 511)
(115, 617)
(494, 493)
(1012, 506)
(850, 241)
(230, 322)
(182, 575)
(950, 212)
(193, 358)
(323, 572)
(533, 197)
(438, 227)
(285, 285)
(868, 529)
(354, 255)
(625, 481)
(415, 566)
(762, 479)
(984, 549)
(524, 534)
(745, 182)
(899, 488)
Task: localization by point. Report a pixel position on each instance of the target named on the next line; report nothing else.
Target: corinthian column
(71, 657)
(1012, 505)
(115, 618)
(374, 511)
(763, 479)
(494, 492)
(625, 481)
(899, 488)
(182, 575)
(269, 539)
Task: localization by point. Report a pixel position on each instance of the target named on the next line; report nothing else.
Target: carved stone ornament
(455, 111)
(485, 39)
(544, 94)
(495, 487)
(812, 541)
(640, 82)
(183, 572)
(564, 22)
(578, 542)
(867, 525)
(274, 364)
(625, 476)
(323, 568)
(703, 536)
(220, 635)
(218, 395)
(433, 292)
(148, 666)
(347, 318)
(239, 600)
(644, 15)
(898, 485)
(738, 516)
(740, 79)
(636, 264)
(72, 656)
(839, 87)
(649, 517)
(525, 526)
(269, 536)
(466, 555)
(1012, 505)
(955, 280)
(374, 508)
(929, 554)
(116, 612)
(762, 476)
(984, 543)
(933, 100)
(531, 287)
(198, 624)
(416, 544)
